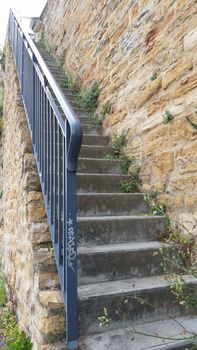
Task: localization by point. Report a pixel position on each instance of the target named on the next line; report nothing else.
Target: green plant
(2, 58)
(194, 125)
(89, 98)
(184, 294)
(51, 251)
(3, 297)
(133, 184)
(97, 119)
(15, 339)
(128, 161)
(1, 193)
(167, 117)
(72, 82)
(154, 206)
(153, 77)
(117, 143)
(104, 319)
(44, 44)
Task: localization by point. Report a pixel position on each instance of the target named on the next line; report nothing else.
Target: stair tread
(125, 286)
(103, 174)
(127, 338)
(109, 194)
(102, 159)
(117, 217)
(124, 247)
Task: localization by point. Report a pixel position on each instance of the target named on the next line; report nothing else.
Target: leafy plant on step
(167, 117)
(117, 143)
(154, 206)
(133, 184)
(3, 297)
(89, 97)
(15, 339)
(128, 161)
(104, 319)
(43, 43)
(72, 82)
(98, 118)
(179, 254)
(185, 334)
(3, 58)
(184, 294)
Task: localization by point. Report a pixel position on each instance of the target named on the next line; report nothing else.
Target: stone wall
(27, 265)
(143, 52)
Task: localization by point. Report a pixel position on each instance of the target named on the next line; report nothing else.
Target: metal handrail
(56, 142)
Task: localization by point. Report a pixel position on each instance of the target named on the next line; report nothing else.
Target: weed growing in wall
(153, 77)
(15, 339)
(167, 117)
(2, 59)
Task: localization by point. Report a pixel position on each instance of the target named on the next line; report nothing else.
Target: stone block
(145, 93)
(51, 299)
(52, 325)
(162, 165)
(190, 40)
(39, 232)
(45, 281)
(176, 71)
(31, 182)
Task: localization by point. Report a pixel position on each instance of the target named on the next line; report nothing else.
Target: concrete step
(95, 140)
(162, 335)
(84, 119)
(98, 183)
(58, 75)
(119, 229)
(55, 346)
(94, 151)
(111, 262)
(132, 300)
(92, 129)
(100, 166)
(97, 204)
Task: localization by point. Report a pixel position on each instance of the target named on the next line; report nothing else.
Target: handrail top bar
(74, 123)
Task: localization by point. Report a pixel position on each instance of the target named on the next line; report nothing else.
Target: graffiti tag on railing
(71, 244)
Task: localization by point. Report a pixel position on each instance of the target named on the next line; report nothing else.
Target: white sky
(24, 8)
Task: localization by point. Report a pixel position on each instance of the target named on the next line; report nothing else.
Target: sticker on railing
(71, 244)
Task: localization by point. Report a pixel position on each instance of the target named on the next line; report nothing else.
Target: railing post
(71, 255)
(71, 263)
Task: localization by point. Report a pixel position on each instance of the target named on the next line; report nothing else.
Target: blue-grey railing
(56, 138)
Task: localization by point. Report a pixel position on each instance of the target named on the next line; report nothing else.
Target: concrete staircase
(117, 267)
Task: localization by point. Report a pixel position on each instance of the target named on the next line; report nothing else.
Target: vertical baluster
(49, 156)
(52, 170)
(46, 149)
(55, 176)
(44, 137)
(64, 194)
(34, 104)
(60, 196)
